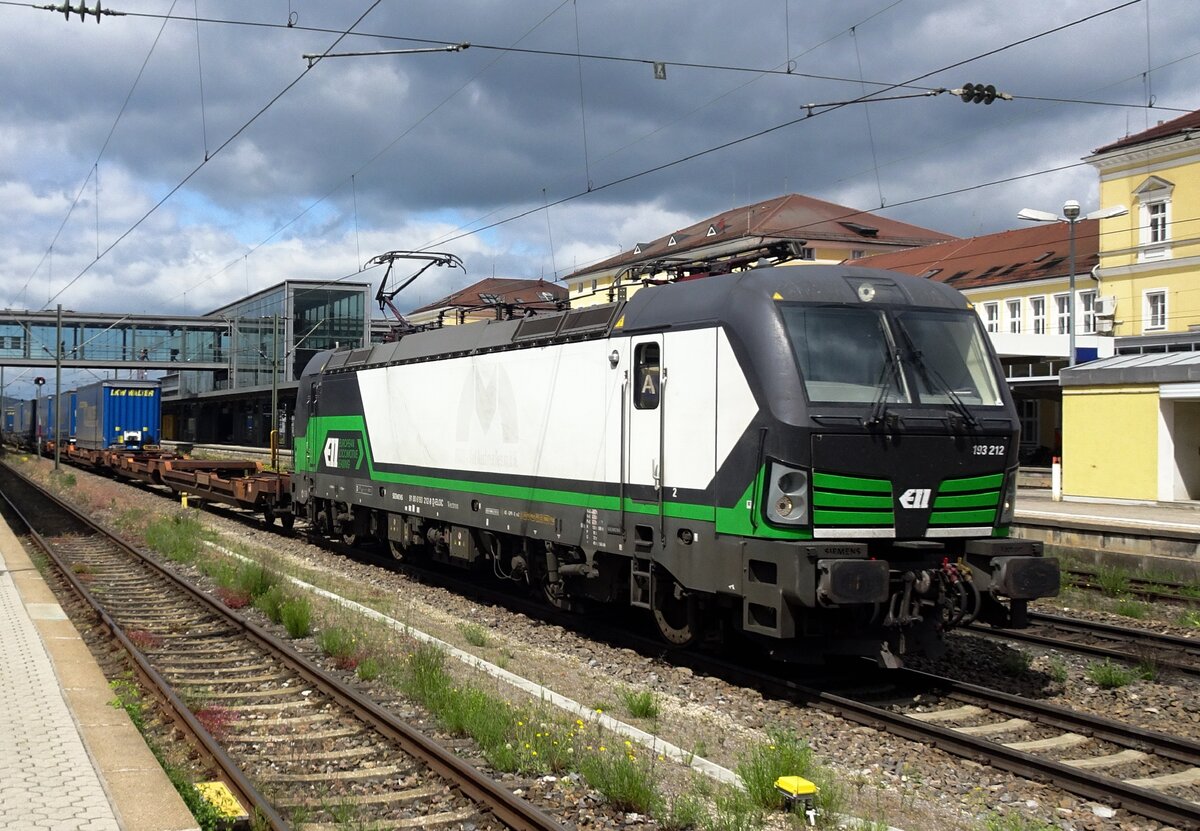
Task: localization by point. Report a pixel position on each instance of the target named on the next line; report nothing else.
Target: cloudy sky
(109, 202)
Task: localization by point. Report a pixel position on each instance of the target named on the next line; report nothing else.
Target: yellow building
(786, 230)
(1131, 424)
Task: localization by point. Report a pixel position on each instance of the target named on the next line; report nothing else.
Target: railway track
(1145, 772)
(283, 727)
(1165, 591)
(1104, 640)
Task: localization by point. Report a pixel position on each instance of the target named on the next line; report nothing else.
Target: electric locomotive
(822, 458)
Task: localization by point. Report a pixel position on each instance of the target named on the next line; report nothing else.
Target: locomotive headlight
(1008, 500)
(787, 496)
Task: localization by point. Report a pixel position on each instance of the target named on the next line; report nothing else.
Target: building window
(579, 288)
(1154, 309)
(1014, 316)
(1062, 313)
(806, 253)
(1156, 223)
(1037, 314)
(1153, 198)
(991, 316)
(1028, 410)
(1087, 305)
(857, 253)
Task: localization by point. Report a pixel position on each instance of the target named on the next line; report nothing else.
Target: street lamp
(1070, 215)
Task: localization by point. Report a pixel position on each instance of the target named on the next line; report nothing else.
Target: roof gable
(1184, 125)
(1038, 252)
(791, 217)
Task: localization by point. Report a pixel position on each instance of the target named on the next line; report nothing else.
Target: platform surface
(68, 758)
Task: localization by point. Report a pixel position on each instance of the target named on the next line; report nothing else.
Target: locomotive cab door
(644, 437)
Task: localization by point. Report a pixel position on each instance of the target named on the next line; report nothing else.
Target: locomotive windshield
(872, 355)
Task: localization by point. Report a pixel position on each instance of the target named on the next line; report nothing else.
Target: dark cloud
(438, 144)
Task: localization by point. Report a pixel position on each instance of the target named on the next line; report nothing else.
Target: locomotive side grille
(851, 500)
(970, 501)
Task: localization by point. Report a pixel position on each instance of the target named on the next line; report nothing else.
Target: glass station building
(263, 343)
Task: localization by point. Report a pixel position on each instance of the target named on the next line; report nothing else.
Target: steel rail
(1134, 638)
(505, 806)
(1181, 750)
(1180, 813)
(242, 787)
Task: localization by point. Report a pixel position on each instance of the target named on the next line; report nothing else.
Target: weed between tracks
(531, 739)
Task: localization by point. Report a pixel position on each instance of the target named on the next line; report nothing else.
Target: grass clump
(340, 644)
(1015, 822)
(734, 810)
(295, 614)
(640, 703)
(785, 754)
(684, 811)
(626, 780)
(1190, 619)
(1110, 676)
(270, 603)
(474, 634)
(1113, 581)
(368, 669)
(1131, 608)
(63, 480)
(1014, 663)
(130, 519)
(178, 537)
(254, 579)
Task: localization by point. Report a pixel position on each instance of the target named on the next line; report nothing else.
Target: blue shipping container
(65, 416)
(118, 414)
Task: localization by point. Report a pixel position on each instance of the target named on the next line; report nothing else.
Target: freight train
(821, 458)
(106, 415)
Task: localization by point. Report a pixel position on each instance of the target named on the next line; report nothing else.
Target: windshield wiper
(888, 375)
(930, 375)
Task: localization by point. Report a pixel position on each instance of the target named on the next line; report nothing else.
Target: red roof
(1035, 253)
(1176, 126)
(789, 217)
(526, 293)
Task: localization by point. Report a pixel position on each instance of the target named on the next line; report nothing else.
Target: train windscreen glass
(854, 354)
(844, 353)
(948, 356)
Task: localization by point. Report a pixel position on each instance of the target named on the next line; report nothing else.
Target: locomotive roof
(711, 300)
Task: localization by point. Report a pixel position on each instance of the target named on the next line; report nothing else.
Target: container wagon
(122, 413)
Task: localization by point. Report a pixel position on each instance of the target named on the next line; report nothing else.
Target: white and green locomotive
(822, 458)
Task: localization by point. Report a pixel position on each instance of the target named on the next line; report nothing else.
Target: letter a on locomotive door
(644, 434)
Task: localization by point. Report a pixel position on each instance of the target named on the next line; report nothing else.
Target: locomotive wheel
(556, 596)
(397, 550)
(287, 520)
(268, 515)
(676, 613)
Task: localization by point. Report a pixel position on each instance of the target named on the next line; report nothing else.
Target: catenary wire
(208, 158)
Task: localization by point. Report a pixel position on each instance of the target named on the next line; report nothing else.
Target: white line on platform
(1124, 523)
